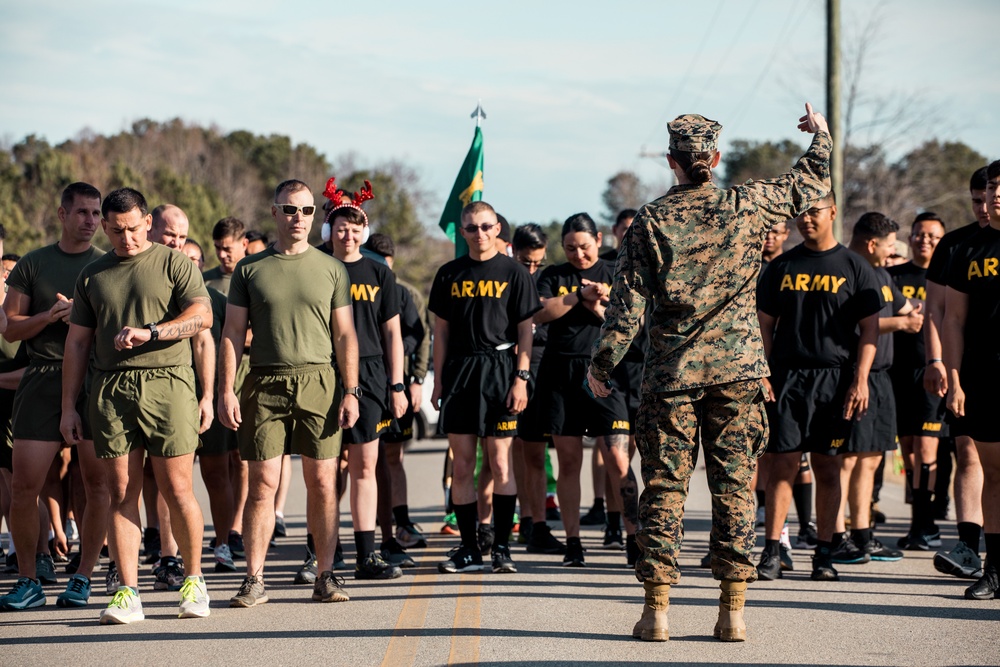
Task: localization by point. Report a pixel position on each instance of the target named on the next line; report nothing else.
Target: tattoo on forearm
(183, 329)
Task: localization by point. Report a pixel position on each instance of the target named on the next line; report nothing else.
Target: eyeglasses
(291, 209)
(528, 263)
(484, 227)
(813, 212)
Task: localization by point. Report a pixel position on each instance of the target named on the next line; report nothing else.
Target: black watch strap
(399, 387)
(524, 375)
(154, 333)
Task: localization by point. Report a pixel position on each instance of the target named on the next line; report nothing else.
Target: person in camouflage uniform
(693, 255)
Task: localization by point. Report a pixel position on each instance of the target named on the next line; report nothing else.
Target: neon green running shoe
(125, 607)
(194, 599)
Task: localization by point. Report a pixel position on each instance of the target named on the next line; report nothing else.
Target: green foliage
(210, 175)
(758, 160)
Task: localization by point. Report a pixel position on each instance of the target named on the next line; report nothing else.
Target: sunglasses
(290, 209)
(485, 227)
(528, 263)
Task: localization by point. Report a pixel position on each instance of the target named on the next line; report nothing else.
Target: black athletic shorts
(808, 412)
(6, 437)
(628, 375)
(918, 412)
(982, 398)
(571, 409)
(533, 423)
(402, 430)
(474, 396)
(876, 431)
(374, 415)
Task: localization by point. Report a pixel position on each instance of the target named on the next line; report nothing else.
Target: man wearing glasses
(812, 303)
(300, 303)
(483, 303)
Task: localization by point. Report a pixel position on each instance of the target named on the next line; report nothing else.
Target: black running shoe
(485, 535)
(706, 560)
(375, 567)
(613, 538)
(878, 551)
(769, 567)
(807, 538)
(987, 587)
(308, 571)
(236, 545)
(502, 562)
(848, 553)
(544, 542)
(594, 517)
(74, 564)
(631, 551)
(280, 529)
(462, 559)
(823, 569)
(914, 541)
(151, 546)
(574, 553)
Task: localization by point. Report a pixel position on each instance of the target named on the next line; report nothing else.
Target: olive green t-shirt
(291, 299)
(217, 279)
(154, 286)
(41, 275)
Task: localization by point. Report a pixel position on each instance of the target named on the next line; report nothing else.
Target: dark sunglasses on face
(485, 227)
(291, 209)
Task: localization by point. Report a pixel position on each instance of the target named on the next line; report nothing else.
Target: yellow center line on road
(402, 649)
(465, 645)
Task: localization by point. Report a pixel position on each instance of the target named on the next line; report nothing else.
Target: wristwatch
(398, 387)
(524, 375)
(154, 333)
(417, 380)
(354, 391)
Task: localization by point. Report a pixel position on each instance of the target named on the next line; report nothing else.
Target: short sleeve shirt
(818, 299)
(290, 299)
(218, 280)
(115, 292)
(975, 270)
(374, 299)
(483, 302)
(908, 348)
(42, 275)
(937, 272)
(573, 334)
(892, 302)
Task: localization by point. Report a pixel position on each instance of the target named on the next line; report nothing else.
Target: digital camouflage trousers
(728, 421)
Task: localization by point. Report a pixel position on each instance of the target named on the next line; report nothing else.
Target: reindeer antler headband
(340, 200)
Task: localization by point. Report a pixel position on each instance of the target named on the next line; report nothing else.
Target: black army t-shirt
(483, 302)
(938, 272)
(892, 302)
(975, 270)
(818, 299)
(573, 334)
(374, 299)
(908, 348)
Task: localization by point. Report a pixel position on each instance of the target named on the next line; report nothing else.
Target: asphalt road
(900, 613)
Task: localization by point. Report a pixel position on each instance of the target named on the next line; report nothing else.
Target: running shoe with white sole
(961, 562)
(112, 581)
(224, 559)
(194, 599)
(26, 594)
(125, 607)
(462, 559)
(502, 562)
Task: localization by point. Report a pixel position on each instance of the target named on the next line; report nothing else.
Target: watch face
(397, 387)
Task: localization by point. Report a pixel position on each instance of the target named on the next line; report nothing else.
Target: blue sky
(574, 91)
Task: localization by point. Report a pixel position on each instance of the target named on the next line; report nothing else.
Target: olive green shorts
(153, 408)
(38, 405)
(290, 411)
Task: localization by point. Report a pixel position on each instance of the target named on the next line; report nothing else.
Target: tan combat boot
(730, 626)
(652, 627)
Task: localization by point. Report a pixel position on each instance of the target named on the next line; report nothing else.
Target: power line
(725, 57)
(680, 87)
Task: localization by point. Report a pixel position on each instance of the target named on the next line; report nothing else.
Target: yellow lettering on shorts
(383, 424)
(620, 424)
(931, 426)
(837, 443)
(507, 425)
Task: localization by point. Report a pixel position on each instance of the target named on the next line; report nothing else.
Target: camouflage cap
(694, 134)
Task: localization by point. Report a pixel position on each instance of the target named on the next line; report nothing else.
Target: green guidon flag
(468, 188)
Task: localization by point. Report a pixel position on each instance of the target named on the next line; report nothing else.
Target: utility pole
(833, 106)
